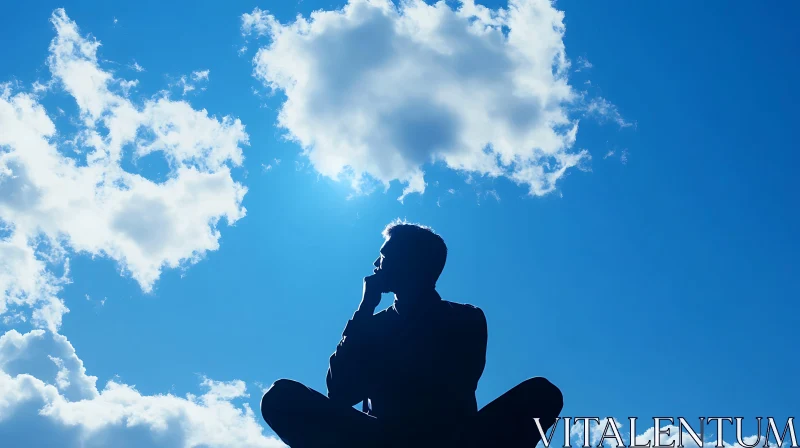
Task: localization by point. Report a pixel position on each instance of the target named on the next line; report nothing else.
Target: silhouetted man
(415, 366)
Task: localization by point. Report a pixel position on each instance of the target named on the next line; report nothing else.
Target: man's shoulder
(465, 320)
(385, 314)
(464, 310)
(457, 311)
(461, 307)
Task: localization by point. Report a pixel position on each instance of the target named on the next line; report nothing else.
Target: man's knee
(278, 397)
(541, 390)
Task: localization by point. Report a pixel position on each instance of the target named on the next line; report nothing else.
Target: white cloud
(126, 86)
(257, 23)
(57, 205)
(375, 92)
(25, 281)
(583, 63)
(39, 87)
(47, 394)
(53, 204)
(189, 83)
(603, 109)
(18, 352)
(200, 75)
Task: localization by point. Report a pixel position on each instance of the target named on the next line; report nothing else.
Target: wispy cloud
(605, 111)
(200, 75)
(193, 81)
(583, 64)
(126, 86)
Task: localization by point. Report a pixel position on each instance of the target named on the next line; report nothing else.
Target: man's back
(420, 374)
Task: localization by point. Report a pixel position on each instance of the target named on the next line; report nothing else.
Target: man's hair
(427, 246)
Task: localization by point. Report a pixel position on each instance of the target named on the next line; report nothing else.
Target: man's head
(412, 256)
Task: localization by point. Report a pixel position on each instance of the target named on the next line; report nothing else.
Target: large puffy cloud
(46, 396)
(378, 90)
(95, 206)
(54, 203)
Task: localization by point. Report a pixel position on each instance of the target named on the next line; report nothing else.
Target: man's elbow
(334, 394)
(342, 396)
(341, 393)
(335, 389)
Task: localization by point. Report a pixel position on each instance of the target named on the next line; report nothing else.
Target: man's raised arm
(350, 365)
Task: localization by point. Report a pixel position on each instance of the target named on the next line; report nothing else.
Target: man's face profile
(393, 264)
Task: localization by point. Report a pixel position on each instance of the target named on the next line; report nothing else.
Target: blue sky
(660, 267)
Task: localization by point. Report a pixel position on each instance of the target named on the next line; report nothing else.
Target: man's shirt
(418, 372)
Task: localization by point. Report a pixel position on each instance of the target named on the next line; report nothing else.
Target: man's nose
(377, 262)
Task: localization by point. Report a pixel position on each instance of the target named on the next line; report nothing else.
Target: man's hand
(374, 286)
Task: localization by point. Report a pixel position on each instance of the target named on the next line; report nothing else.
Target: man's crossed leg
(305, 418)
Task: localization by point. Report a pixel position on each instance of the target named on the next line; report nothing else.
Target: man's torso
(427, 368)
